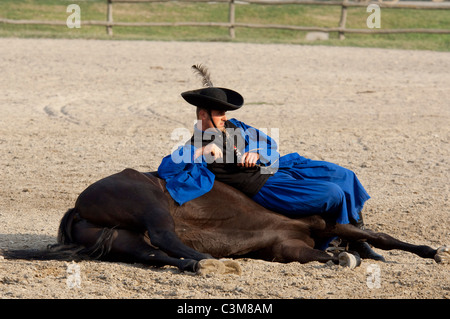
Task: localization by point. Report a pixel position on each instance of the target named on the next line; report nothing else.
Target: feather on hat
(210, 97)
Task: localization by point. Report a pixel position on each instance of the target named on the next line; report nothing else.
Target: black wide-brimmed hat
(214, 98)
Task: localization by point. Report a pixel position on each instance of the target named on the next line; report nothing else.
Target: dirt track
(74, 111)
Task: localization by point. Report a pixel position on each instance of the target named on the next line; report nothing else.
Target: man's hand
(210, 151)
(249, 159)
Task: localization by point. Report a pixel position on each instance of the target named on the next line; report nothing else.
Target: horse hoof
(349, 260)
(210, 266)
(214, 266)
(442, 255)
(232, 267)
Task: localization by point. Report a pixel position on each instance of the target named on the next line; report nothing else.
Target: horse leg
(387, 242)
(297, 250)
(168, 241)
(161, 231)
(125, 245)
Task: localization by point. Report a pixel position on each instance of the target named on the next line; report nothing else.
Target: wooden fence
(232, 24)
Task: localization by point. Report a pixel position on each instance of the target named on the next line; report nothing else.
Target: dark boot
(364, 250)
(361, 247)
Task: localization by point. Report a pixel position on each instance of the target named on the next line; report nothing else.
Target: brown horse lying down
(131, 217)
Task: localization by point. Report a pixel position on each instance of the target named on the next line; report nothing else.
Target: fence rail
(232, 24)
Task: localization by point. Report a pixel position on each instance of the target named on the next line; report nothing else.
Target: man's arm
(186, 177)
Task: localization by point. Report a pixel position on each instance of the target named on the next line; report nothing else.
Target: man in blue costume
(246, 158)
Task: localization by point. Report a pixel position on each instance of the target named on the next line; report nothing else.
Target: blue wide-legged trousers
(314, 187)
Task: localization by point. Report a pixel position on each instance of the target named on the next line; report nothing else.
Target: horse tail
(65, 227)
(66, 244)
(68, 253)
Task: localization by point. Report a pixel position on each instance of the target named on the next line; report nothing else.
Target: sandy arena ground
(74, 111)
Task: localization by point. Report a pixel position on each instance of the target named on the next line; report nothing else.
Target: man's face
(218, 117)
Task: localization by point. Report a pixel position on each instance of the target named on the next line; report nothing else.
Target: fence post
(343, 20)
(232, 19)
(109, 18)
